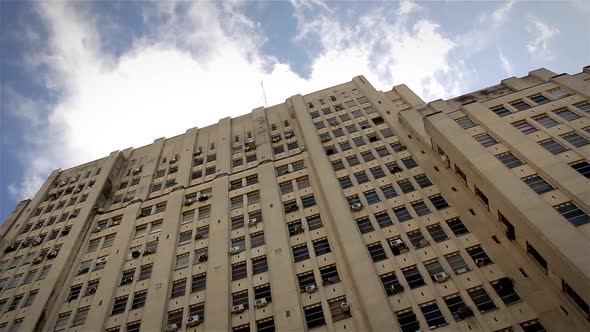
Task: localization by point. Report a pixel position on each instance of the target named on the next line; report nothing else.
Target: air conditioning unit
(326, 139)
(189, 201)
(395, 169)
(202, 197)
(259, 303)
(327, 280)
(126, 280)
(37, 260)
(172, 161)
(252, 222)
(77, 190)
(345, 306)
(137, 170)
(84, 270)
(135, 253)
(298, 229)
(481, 262)
(203, 258)
(334, 123)
(238, 308)
(441, 277)
(234, 250)
(171, 328)
(464, 312)
(247, 148)
(250, 140)
(11, 248)
(52, 254)
(37, 241)
(100, 210)
(97, 229)
(462, 270)
(396, 243)
(288, 135)
(127, 198)
(276, 139)
(148, 252)
(102, 260)
(193, 321)
(423, 243)
(91, 290)
(198, 152)
(356, 206)
(292, 207)
(394, 289)
(310, 288)
(283, 172)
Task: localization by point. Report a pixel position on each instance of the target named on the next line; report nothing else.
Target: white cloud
(506, 65)
(486, 28)
(203, 62)
(543, 34)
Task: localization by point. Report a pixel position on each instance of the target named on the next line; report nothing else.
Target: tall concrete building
(347, 209)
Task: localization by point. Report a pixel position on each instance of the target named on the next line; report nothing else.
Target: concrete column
(373, 315)
(189, 139)
(149, 169)
(69, 250)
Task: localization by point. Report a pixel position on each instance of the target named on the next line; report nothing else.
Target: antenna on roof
(263, 93)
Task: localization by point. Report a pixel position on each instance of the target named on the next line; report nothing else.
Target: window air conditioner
(101, 260)
(91, 290)
(481, 261)
(311, 288)
(259, 303)
(276, 139)
(52, 254)
(356, 206)
(135, 253)
(171, 327)
(345, 306)
(238, 309)
(193, 321)
(288, 135)
(127, 280)
(394, 289)
(252, 222)
(441, 277)
(234, 250)
(148, 252)
(198, 236)
(189, 201)
(298, 229)
(396, 243)
(423, 243)
(461, 270)
(203, 258)
(202, 197)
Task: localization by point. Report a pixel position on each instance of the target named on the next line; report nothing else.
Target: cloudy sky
(81, 79)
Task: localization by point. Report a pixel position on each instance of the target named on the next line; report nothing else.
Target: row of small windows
(521, 105)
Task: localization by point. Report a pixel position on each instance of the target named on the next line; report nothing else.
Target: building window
(505, 290)
(259, 265)
(539, 99)
(552, 146)
(80, 317)
(240, 298)
(525, 127)
(253, 197)
(420, 208)
(329, 274)
(345, 182)
(417, 239)
(376, 251)
(321, 247)
(295, 227)
(437, 232)
(546, 121)
(339, 308)
(377, 172)
(361, 177)
(575, 297)
(479, 256)
(391, 284)
(388, 191)
(178, 288)
(575, 139)
(456, 306)
(465, 122)
(62, 321)
(308, 201)
(413, 277)
(584, 107)
(407, 320)
(486, 140)
(305, 279)
(381, 150)
(538, 184)
(352, 161)
(364, 225)
(372, 197)
(314, 316)
(133, 326)
(175, 318)
(501, 111)
(402, 214)
(238, 271)
(119, 305)
(237, 222)
(573, 213)
(457, 263)
(367, 156)
(406, 186)
(337, 165)
(30, 299)
(481, 299)
(15, 302)
(139, 299)
(314, 222)
(433, 316)
(182, 261)
(265, 325)
(91, 287)
(509, 160)
(520, 105)
(198, 282)
(409, 162)
(263, 292)
(583, 167)
(383, 219)
(567, 115)
(533, 326)
(537, 256)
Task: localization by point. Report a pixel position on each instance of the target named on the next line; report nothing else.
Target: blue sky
(82, 79)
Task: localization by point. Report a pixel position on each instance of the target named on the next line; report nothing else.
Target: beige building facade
(347, 209)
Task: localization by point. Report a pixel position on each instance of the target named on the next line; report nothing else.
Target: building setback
(347, 209)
